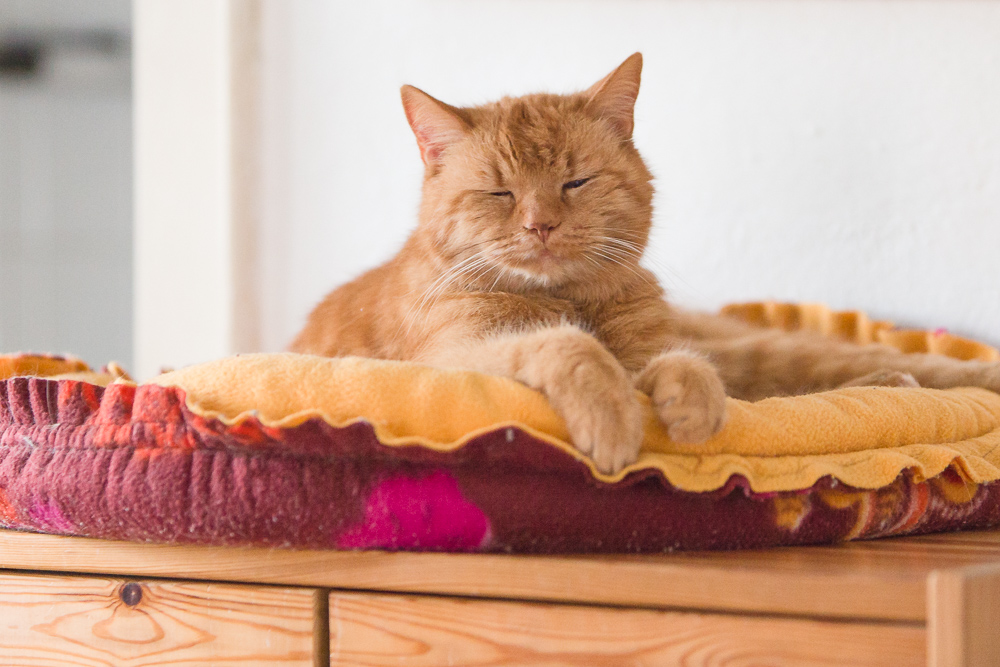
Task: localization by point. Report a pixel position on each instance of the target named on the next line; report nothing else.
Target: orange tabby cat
(525, 263)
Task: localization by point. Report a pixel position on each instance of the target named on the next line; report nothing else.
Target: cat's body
(535, 213)
(387, 313)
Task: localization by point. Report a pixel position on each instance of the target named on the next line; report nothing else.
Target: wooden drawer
(932, 599)
(55, 620)
(400, 630)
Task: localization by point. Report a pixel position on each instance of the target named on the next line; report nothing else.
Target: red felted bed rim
(135, 463)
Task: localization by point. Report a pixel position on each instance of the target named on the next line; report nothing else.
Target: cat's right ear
(435, 124)
(613, 97)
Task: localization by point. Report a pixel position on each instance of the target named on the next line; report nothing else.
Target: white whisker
(433, 292)
(500, 273)
(616, 257)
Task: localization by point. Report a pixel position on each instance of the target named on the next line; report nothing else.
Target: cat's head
(535, 191)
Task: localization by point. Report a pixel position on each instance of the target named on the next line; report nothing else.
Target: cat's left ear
(613, 97)
(436, 125)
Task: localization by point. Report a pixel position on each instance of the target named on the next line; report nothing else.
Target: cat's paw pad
(687, 394)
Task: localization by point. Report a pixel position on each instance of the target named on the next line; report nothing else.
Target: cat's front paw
(688, 395)
(606, 425)
(593, 394)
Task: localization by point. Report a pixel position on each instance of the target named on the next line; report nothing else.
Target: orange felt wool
(39, 365)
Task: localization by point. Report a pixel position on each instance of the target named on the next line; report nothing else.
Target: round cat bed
(300, 451)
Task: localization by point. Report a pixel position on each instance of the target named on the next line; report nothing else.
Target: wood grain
(964, 617)
(49, 620)
(420, 631)
(880, 579)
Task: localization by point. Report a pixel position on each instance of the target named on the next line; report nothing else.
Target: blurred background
(66, 178)
(809, 150)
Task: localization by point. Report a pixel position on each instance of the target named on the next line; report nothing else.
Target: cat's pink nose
(543, 229)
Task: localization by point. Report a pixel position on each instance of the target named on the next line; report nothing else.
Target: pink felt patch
(427, 513)
(49, 518)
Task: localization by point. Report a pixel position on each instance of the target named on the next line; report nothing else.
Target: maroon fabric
(135, 464)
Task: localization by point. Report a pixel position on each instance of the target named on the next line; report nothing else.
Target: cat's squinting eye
(501, 193)
(575, 184)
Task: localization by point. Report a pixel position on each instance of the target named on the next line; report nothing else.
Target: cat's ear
(613, 97)
(435, 124)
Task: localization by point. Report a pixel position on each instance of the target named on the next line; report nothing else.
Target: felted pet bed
(301, 451)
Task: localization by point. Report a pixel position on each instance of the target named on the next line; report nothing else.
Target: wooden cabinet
(67, 620)
(932, 600)
(422, 631)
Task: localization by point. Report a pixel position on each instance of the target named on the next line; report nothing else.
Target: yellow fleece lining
(863, 436)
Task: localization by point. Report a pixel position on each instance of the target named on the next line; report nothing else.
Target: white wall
(846, 152)
(196, 176)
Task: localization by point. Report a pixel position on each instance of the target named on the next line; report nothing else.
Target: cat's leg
(687, 393)
(883, 379)
(941, 372)
(767, 363)
(581, 378)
